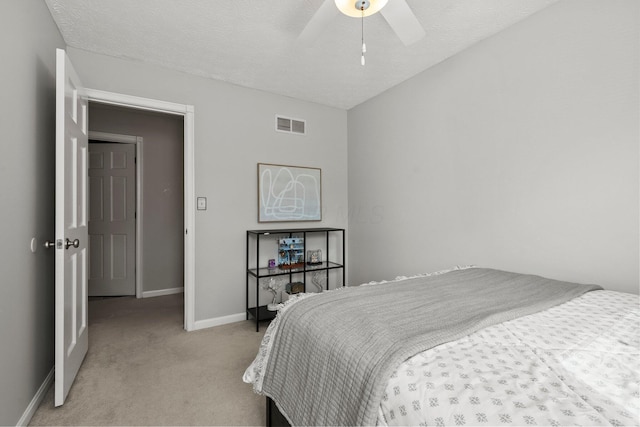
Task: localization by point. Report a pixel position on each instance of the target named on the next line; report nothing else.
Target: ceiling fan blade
(319, 22)
(401, 18)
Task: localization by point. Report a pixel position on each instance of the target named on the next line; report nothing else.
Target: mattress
(574, 364)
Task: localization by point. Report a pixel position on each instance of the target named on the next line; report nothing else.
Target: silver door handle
(75, 243)
(49, 244)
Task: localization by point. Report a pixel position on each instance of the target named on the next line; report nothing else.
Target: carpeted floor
(142, 368)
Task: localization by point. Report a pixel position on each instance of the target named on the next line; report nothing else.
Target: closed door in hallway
(112, 223)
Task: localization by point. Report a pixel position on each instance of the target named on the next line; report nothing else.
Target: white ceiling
(254, 43)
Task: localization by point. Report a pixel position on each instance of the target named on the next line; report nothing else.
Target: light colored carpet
(142, 368)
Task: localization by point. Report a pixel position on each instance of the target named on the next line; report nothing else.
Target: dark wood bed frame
(274, 416)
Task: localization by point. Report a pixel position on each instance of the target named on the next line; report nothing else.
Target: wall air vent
(289, 125)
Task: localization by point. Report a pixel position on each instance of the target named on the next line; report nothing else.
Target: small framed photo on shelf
(314, 257)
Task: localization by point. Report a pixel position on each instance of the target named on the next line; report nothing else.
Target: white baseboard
(37, 399)
(217, 321)
(161, 292)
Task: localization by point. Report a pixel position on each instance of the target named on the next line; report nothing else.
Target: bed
(467, 346)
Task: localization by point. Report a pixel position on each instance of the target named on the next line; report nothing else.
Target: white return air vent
(289, 125)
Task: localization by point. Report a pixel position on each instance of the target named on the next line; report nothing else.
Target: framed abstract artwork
(289, 193)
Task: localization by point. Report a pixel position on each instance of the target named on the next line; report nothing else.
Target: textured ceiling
(255, 43)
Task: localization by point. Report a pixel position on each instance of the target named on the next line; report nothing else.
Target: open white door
(71, 226)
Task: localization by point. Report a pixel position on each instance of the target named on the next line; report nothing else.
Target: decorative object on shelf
(273, 285)
(288, 193)
(294, 288)
(318, 279)
(272, 263)
(291, 252)
(314, 257)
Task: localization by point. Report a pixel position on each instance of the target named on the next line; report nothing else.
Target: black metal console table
(256, 272)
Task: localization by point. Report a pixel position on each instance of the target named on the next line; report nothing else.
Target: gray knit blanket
(334, 353)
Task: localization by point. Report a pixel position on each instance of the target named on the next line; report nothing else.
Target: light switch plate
(202, 203)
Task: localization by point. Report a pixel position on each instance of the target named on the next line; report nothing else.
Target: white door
(71, 336)
(112, 222)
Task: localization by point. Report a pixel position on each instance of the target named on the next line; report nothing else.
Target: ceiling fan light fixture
(354, 8)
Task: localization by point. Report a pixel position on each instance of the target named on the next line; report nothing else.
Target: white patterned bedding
(575, 364)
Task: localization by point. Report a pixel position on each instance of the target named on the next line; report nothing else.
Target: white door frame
(187, 111)
(138, 141)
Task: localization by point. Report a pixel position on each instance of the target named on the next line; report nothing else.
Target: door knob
(75, 243)
(49, 244)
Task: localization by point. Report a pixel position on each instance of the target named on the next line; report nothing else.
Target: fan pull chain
(364, 46)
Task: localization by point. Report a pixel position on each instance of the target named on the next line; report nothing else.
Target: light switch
(202, 203)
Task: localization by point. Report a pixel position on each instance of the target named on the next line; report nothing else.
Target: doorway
(186, 113)
(71, 231)
(155, 218)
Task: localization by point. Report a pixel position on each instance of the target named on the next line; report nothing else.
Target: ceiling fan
(397, 13)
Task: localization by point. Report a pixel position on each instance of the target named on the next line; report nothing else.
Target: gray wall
(27, 168)
(234, 130)
(163, 195)
(520, 153)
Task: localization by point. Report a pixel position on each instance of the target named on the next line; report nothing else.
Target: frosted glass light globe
(352, 7)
